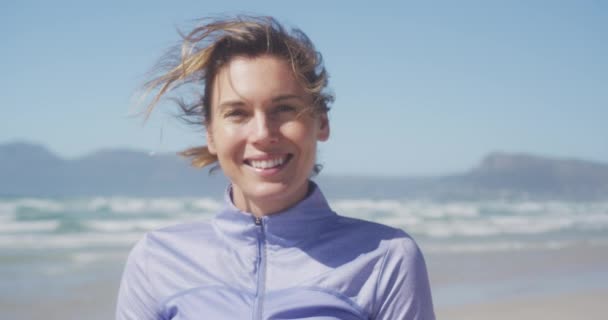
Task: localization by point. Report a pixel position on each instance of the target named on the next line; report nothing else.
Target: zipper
(261, 266)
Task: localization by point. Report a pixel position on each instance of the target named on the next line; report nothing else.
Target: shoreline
(532, 284)
(459, 279)
(589, 305)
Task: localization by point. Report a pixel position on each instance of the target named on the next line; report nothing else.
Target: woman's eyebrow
(239, 103)
(231, 104)
(286, 97)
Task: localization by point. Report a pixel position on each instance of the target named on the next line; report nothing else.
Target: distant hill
(32, 170)
(539, 175)
(529, 176)
(27, 169)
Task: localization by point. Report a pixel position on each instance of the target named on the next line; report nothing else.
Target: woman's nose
(265, 129)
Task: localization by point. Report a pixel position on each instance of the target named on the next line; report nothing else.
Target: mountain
(538, 175)
(529, 176)
(28, 169)
(32, 170)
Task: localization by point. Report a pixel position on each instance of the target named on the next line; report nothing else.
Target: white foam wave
(28, 226)
(128, 205)
(372, 209)
(155, 205)
(407, 222)
(502, 246)
(95, 204)
(40, 204)
(480, 218)
(367, 205)
(448, 210)
(474, 247)
(185, 216)
(527, 207)
(85, 258)
(530, 225)
(6, 217)
(67, 241)
(206, 204)
(166, 205)
(408, 208)
(7, 209)
(493, 226)
(441, 220)
(128, 225)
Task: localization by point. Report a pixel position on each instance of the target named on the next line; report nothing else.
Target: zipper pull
(258, 221)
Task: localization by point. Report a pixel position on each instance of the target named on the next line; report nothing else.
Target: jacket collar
(286, 228)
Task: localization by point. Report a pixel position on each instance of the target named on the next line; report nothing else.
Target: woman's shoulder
(371, 228)
(182, 233)
(390, 240)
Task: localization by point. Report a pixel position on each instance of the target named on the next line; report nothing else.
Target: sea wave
(86, 258)
(499, 246)
(362, 207)
(39, 204)
(119, 205)
(480, 219)
(7, 209)
(68, 241)
(127, 225)
(136, 205)
(207, 204)
(28, 226)
(432, 219)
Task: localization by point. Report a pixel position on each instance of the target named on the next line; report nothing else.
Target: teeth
(266, 164)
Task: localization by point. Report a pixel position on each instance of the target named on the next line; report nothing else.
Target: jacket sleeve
(136, 299)
(403, 290)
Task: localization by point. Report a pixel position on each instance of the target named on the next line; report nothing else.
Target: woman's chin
(272, 196)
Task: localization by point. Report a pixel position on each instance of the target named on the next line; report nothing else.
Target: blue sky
(422, 87)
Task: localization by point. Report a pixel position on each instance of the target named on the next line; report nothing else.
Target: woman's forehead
(253, 80)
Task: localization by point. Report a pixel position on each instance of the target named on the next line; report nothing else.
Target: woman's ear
(323, 133)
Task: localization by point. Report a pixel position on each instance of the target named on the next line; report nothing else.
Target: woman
(276, 251)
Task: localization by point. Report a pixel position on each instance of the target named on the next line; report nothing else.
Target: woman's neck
(264, 206)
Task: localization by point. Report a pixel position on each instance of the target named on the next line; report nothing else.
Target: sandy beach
(590, 305)
(559, 283)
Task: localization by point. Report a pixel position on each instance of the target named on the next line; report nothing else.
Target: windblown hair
(211, 46)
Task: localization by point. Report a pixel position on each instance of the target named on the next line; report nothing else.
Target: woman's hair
(211, 46)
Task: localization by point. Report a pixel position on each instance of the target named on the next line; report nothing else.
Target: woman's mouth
(269, 163)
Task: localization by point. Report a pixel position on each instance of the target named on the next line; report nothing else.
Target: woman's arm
(136, 300)
(403, 290)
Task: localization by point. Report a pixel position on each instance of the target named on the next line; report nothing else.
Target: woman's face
(260, 131)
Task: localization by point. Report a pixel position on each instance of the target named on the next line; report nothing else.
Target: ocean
(53, 248)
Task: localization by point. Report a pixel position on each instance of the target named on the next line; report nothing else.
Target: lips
(265, 163)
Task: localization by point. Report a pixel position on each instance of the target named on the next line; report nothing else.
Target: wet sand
(589, 305)
(564, 283)
(560, 283)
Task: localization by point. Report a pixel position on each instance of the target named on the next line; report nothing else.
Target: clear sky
(425, 87)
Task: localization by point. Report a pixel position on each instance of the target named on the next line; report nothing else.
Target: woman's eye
(234, 114)
(285, 108)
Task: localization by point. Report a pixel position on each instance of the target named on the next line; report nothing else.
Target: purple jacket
(304, 263)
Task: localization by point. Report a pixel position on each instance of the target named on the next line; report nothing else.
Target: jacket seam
(334, 293)
(157, 307)
(174, 296)
(381, 273)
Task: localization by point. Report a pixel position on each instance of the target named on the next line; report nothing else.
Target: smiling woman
(276, 250)
(263, 138)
